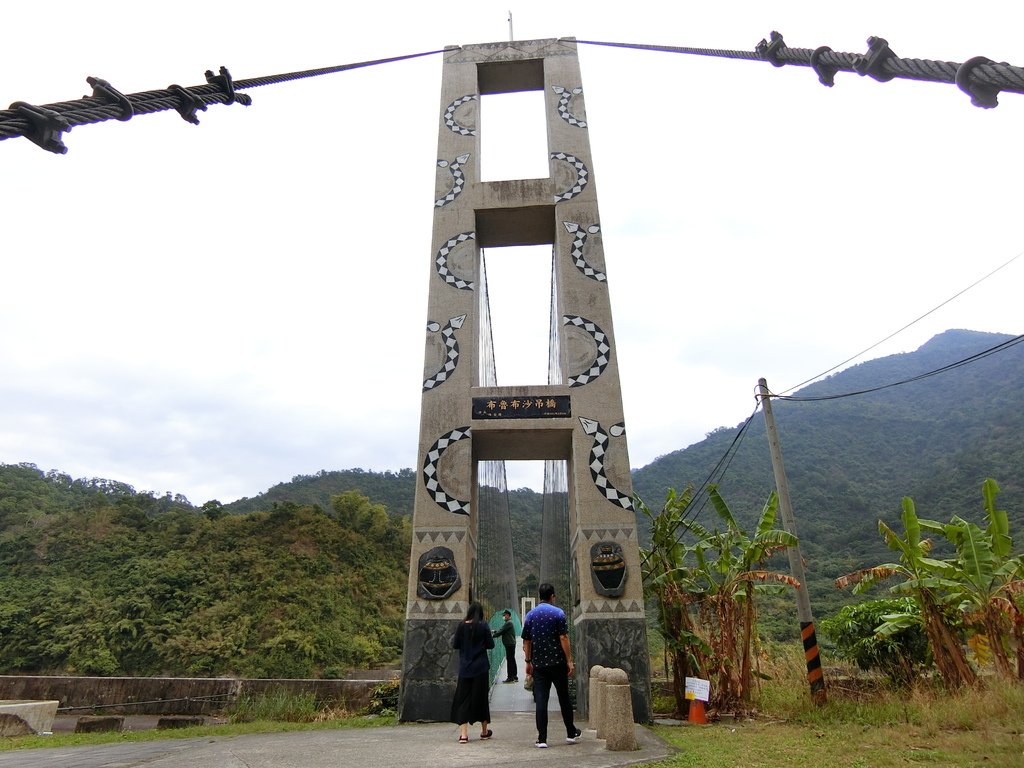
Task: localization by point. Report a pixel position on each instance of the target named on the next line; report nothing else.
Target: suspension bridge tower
(573, 421)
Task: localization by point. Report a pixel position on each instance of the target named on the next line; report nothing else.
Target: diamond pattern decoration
(430, 465)
(564, 97)
(604, 350)
(441, 261)
(579, 240)
(582, 175)
(458, 179)
(597, 456)
(451, 344)
(449, 116)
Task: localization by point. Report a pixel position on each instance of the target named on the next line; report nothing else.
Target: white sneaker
(574, 739)
(541, 745)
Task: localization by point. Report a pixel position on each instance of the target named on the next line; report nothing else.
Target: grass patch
(228, 729)
(861, 726)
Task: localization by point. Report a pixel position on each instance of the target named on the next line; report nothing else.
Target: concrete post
(593, 702)
(617, 722)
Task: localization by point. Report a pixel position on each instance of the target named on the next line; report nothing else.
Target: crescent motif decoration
(582, 175)
(579, 240)
(430, 478)
(441, 261)
(597, 455)
(451, 344)
(449, 116)
(604, 350)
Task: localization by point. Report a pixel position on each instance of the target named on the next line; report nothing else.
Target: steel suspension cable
(980, 78)
(44, 125)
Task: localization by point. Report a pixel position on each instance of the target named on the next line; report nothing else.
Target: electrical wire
(908, 325)
(1001, 347)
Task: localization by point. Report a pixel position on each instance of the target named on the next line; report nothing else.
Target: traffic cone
(696, 712)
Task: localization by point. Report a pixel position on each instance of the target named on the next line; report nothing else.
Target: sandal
(487, 734)
(463, 740)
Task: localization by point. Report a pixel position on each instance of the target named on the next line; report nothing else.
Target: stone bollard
(594, 698)
(179, 721)
(99, 723)
(618, 727)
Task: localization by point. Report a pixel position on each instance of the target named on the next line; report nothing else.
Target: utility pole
(510, 38)
(815, 677)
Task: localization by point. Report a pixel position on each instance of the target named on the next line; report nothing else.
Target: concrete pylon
(575, 417)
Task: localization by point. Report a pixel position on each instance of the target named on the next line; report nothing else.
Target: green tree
(899, 654)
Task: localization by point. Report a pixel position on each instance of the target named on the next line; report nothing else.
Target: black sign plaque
(525, 406)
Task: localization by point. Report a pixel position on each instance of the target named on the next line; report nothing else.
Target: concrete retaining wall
(175, 695)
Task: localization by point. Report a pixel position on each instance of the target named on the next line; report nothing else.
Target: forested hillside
(850, 460)
(111, 582)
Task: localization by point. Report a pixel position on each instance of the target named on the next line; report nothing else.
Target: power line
(908, 325)
(1001, 347)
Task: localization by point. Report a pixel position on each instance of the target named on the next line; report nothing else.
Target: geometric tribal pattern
(430, 478)
(449, 116)
(591, 607)
(420, 609)
(441, 261)
(565, 96)
(459, 179)
(581, 175)
(451, 344)
(603, 350)
(597, 454)
(578, 241)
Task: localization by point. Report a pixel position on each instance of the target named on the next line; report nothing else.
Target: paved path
(413, 744)
(432, 744)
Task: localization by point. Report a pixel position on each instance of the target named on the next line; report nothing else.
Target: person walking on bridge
(507, 633)
(472, 640)
(549, 660)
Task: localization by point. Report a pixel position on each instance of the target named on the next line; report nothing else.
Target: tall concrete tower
(576, 417)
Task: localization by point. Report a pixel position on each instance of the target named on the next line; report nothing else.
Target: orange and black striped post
(815, 676)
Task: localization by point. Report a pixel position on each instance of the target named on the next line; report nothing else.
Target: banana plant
(929, 582)
(986, 579)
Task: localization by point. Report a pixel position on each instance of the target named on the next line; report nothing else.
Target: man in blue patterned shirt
(549, 659)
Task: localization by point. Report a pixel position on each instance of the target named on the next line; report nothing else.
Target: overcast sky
(212, 309)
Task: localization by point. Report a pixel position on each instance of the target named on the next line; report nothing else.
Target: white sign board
(697, 689)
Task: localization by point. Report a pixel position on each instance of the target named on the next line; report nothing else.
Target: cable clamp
(228, 86)
(872, 63)
(101, 89)
(770, 51)
(47, 126)
(826, 74)
(982, 95)
(188, 103)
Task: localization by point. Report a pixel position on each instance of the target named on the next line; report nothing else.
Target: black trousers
(510, 663)
(543, 679)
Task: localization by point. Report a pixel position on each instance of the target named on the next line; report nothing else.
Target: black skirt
(470, 703)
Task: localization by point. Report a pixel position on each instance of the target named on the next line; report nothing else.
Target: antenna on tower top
(510, 37)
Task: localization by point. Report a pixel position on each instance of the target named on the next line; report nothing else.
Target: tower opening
(519, 302)
(513, 138)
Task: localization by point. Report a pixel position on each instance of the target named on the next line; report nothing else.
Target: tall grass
(857, 699)
(866, 723)
(277, 706)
